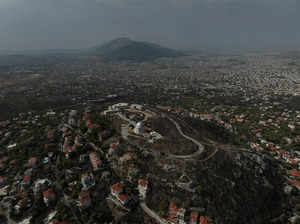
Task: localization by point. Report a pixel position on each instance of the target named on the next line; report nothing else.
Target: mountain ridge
(121, 49)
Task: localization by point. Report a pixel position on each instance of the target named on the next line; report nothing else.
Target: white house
(143, 187)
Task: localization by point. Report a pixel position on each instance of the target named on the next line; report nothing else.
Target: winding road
(200, 150)
(152, 214)
(190, 156)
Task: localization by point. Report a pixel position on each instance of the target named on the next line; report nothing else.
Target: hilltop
(125, 49)
(120, 49)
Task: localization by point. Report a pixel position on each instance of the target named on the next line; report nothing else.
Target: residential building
(87, 180)
(31, 162)
(143, 187)
(22, 204)
(194, 217)
(176, 215)
(26, 181)
(294, 173)
(126, 157)
(49, 196)
(95, 161)
(84, 199)
(2, 181)
(116, 189)
(123, 198)
(139, 128)
(205, 220)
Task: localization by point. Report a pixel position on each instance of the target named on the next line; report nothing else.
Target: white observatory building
(139, 128)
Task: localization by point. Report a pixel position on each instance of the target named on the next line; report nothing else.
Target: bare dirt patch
(173, 142)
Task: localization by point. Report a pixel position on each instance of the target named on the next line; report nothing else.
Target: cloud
(122, 4)
(175, 23)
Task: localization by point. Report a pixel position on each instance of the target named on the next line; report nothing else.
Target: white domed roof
(140, 124)
(139, 128)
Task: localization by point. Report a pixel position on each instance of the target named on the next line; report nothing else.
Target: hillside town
(68, 160)
(151, 142)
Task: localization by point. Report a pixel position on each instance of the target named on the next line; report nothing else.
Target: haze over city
(149, 112)
(188, 24)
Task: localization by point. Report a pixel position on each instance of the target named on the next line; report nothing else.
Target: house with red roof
(123, 198)
(84, 199)
(205, 220)
(26, 181)
(86, 115)
(95, 161)
(142, 187)
(292, 161)
(126, 157)
(194, 217)
(116, 189)
(49, 196)
(104, 135)
(176, 215)
(87, 180)
(31, 162)
(77, 140)
(50, 134)
(296, 184)
(283, 154)
(50, 154)
(2, 181)
(91, 126)
(22, 204)
(113, 147)
(294, 173)
(12, 162)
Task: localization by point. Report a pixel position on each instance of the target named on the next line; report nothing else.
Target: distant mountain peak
(125, 49)
(122, 39)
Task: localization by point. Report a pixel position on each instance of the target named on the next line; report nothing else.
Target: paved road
(117, 203)
(210, 156)
(152, 214)
(190, 156)
(6, 211)
(95, 148)
(124, 131)
(126, 119)
(58, 185)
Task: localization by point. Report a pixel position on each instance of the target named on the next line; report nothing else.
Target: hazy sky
(192, 24)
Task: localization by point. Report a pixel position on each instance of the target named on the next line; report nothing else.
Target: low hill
(124, 49)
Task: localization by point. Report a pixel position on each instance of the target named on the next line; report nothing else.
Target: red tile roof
(95, 160)
(282, 152)
(84, 197)
(49, 194)
(143, 182)
(12, 162)
(117, 187)
(205, 220)
(123, 197)
(31, 162)
(85, 114)
(292, 160)
(194, 216)
(105, 132)
(295, 173)
(173, 212)
(26, 178)
(296, 183)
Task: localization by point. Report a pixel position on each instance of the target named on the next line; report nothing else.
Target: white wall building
(139, 128)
